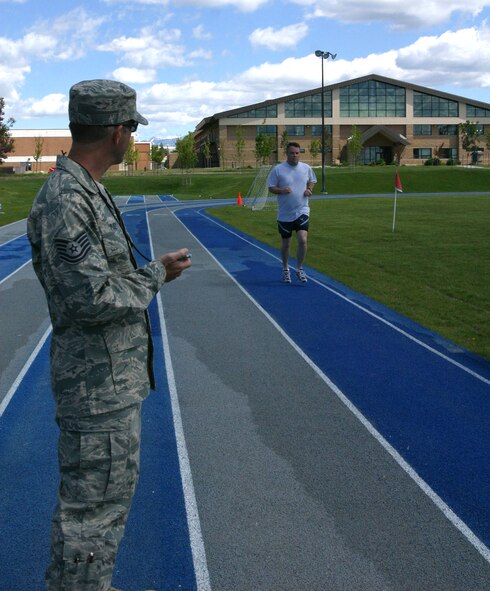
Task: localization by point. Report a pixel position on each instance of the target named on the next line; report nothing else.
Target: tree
(157, 154)
(470, 132)
(284, 140)
(355, 144)
(187, 156)
(487, 138)
(185, 149)
(239, 145)
(264, 145)
(315, 148)
(38, 150)
(206, 152)
(222, 151)
(131, 156)
(6, 141)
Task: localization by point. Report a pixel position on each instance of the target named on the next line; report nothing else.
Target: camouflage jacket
(97, 298)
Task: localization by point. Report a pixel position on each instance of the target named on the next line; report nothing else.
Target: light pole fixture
(323, 55)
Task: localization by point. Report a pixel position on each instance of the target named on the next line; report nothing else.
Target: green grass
(17, 192)
(433, 269)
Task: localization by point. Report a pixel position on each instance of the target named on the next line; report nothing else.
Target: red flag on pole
(398, 183)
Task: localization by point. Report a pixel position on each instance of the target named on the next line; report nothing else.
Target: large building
(397, 122)
(35, 150)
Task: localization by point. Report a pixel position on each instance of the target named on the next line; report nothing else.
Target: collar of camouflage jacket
(79, 172)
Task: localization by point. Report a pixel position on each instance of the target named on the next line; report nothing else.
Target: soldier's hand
(175, 263)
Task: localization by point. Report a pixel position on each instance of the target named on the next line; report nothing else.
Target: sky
(190, 59)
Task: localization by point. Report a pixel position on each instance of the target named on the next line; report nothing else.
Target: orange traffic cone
(239, 200)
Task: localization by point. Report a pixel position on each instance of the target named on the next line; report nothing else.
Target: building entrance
(373, 154)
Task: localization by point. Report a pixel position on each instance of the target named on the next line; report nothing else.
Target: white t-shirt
(292, 205)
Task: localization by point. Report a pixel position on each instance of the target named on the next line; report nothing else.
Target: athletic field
(301, 436)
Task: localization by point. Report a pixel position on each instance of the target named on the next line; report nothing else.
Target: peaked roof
(395, 137)
(343, 84)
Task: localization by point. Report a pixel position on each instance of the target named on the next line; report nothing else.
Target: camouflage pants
(99, 470)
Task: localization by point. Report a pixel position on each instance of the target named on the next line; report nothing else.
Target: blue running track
(428, 398)
(157, 526)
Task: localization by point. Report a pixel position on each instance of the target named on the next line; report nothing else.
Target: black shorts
(286, 229)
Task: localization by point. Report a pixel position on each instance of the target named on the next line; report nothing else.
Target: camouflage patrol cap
(103, 102)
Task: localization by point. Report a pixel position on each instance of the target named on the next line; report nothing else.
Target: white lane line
(12, 239)
(433, 496)
(360, 307)
(18, 268)
(193, 521)
(14, 272)
(23, 371)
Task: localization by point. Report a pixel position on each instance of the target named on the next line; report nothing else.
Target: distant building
(47, 144)
(398, 122)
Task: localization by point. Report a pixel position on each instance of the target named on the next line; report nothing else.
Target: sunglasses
(131, 125)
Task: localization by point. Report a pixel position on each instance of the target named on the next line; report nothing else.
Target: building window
(422, 153)
(373, 154)
(449, 153)
(316, 130)
(448, 130)
(372, 99)
(295, 130)
(269, 130)
(428, 105)
(261, 112)
(422, 130)
(309, 105)
(472, 111)
(480, 129)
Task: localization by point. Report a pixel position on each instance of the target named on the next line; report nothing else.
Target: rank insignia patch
(73, 251)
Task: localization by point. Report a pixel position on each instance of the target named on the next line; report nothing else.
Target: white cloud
(11, 78)
(399, 13)
(278, 39)
(149, 50)
(134, 75)
(201, 54)
(419, 63)
(66, 37)
(199, 33)
(51, 104)
(243, 5)
(460, 58)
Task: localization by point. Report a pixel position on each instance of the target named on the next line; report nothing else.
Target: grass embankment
(434, 268)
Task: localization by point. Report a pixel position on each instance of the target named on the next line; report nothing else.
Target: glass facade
(422, 153)
(422, 130)
(295, 130)
(428, 105)
(373, 154)
(472, 111)
(372, 99)
(316, 130)
(447, 129)
(270, 130)
(451, 153)
(309, 106)
(269, 111)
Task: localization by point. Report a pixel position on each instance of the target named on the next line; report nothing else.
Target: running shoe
(300, 274)
(286, 276)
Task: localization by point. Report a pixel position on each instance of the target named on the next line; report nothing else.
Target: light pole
(323, 55)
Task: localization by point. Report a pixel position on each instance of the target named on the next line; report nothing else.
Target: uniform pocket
(99, 466)
(128, 351)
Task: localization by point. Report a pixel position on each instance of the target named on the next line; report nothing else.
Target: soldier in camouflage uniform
(101, 348)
